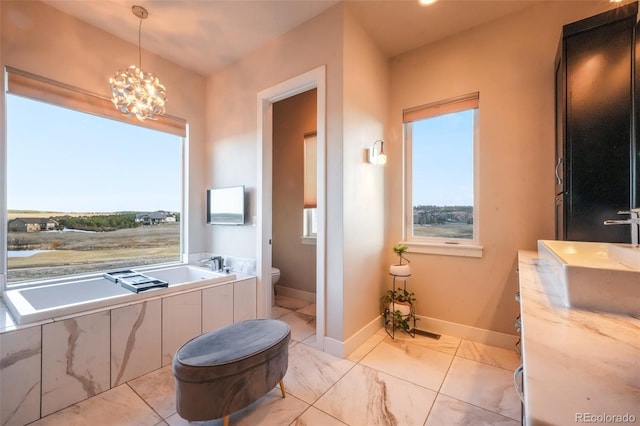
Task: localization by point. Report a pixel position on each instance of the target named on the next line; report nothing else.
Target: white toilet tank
(275, 275)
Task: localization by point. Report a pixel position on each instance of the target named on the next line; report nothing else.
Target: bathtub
(68, 297)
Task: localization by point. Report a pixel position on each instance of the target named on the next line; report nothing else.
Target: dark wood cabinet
(595, 132)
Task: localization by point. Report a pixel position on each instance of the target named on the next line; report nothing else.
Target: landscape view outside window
(442, 175)
(87, 193)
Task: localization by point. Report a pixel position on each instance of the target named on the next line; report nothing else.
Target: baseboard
(433, 325)
(480, 335)
(342, 349)
(307, 296)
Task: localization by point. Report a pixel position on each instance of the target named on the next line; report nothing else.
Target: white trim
(433, 325)
(480, 335)
(308, 241)
(307, 296)
(315, 78)
(455, 249)
(333, 346)
(438, 245)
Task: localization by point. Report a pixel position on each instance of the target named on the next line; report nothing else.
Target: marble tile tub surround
(79, 356)
(367, 388)
(576, 362)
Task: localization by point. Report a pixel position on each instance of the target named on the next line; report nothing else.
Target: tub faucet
(634, 221)
(217, 262)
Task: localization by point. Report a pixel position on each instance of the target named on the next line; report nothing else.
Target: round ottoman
(223, 371)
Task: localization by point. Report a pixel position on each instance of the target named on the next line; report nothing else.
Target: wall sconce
(377, 156)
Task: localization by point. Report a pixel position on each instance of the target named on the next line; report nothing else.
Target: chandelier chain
(140, 44)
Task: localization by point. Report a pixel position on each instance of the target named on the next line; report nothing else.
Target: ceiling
(206, 35)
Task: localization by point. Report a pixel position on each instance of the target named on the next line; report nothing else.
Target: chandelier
(137, 92)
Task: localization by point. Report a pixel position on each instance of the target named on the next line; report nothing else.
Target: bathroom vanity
(580, 366)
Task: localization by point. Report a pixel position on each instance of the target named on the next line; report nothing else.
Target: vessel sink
(627, 254)
(594, 276)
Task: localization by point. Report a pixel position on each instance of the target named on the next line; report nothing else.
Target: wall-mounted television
(225, 206)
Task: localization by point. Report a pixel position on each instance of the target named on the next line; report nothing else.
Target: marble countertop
(579, 366)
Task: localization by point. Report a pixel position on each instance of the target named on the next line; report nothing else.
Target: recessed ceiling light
(428, 2)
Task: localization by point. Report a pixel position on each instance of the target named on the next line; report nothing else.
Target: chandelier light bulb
(139, 93)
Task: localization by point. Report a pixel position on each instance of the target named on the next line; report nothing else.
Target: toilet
(275, 276)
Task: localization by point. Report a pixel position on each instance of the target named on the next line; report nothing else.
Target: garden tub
(67, 297)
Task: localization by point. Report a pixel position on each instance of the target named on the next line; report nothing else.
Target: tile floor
(405, 381)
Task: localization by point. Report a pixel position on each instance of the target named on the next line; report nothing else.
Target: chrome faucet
(634, 221)
(216, 262)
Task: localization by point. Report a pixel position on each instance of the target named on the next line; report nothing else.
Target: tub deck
(66, 297)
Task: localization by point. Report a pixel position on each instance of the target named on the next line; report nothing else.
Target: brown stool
(223, 371)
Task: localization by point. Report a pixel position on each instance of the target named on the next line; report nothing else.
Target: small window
(310, 217)
(440, 181)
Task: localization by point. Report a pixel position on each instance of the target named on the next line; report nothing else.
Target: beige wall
(292, 119)
(511, 63)
(366, 95)
(40, 39)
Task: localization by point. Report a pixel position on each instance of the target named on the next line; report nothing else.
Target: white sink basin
(595, 276)
(626, 254)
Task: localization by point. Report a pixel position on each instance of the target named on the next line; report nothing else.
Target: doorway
(315, 78)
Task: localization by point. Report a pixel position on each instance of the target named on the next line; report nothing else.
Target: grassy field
(13, 214)
(81, 252)
(447, 230)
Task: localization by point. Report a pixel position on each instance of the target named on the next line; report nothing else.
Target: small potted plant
(398, 308)
(400, 270)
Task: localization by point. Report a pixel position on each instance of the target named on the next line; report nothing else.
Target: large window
(87, 193)
(440, 181)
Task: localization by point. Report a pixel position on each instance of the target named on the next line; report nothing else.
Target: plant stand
(390, 322)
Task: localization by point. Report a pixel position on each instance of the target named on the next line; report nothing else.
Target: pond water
(24, 253)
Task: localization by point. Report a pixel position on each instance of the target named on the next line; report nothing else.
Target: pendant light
(137, 92)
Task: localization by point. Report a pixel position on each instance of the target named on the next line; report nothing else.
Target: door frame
(316, 78)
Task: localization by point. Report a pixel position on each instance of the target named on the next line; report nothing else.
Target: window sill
(462, 250)
(308, 241)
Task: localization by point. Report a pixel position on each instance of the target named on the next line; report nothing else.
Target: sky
(66, 161)
(443, 160)
(95, 164)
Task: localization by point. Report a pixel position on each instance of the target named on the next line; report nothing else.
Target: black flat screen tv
(225, 206)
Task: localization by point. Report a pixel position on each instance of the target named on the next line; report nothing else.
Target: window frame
(42, 89)
(435, 245)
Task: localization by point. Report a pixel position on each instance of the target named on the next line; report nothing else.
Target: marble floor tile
(115, 407)
(406, 360)
(311, 340)
(270, 410)
(365, 348)
(446, 344)
(308, 310)
(302, 326)
(279, 311)
(158, 390)
(291, 303)
(450, 411)
(365, 396)
(315, 417)
(311, 372)
(498, 357)
(483, 385)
